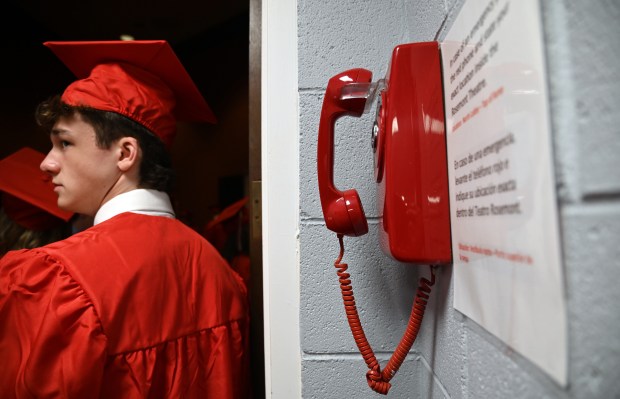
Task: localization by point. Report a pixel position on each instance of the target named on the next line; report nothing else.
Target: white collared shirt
(144, 201)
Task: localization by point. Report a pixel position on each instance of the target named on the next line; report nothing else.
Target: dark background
(210, 39)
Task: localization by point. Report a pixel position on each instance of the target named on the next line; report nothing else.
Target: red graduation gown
(137, 306)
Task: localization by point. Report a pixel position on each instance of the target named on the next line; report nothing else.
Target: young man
(138, 305)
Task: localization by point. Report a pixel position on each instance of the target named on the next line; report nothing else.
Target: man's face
(83, 174)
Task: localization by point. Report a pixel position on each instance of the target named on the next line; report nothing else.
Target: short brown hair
(156, 167)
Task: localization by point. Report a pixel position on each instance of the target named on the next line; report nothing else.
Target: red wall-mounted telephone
(408, 141)
(409, 151)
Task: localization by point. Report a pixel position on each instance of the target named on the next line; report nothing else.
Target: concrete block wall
(454, 357)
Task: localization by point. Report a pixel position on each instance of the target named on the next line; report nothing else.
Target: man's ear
(129, 152)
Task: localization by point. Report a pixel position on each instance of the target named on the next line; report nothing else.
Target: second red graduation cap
(28, 196)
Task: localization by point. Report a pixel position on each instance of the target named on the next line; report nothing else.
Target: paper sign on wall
(506, 247)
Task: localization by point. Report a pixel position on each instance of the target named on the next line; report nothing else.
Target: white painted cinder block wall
(453, 357)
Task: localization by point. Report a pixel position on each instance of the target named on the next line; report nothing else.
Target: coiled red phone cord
(379, 380)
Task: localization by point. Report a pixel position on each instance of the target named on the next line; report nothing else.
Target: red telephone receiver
(343, 211)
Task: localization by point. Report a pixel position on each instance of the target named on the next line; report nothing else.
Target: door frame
(280, 198)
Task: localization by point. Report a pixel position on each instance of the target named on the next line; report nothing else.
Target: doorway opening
(216, 164)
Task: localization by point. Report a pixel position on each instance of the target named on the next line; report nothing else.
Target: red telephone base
(410, 158)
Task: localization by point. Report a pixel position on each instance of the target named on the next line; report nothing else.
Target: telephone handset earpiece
(342, 210)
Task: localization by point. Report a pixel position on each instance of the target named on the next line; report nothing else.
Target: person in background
(229, 233)
(29, 215)
(138, 305)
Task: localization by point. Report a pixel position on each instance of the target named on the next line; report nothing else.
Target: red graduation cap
(28, 196)
(216, 231)
(228, 212)
(141, 79)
